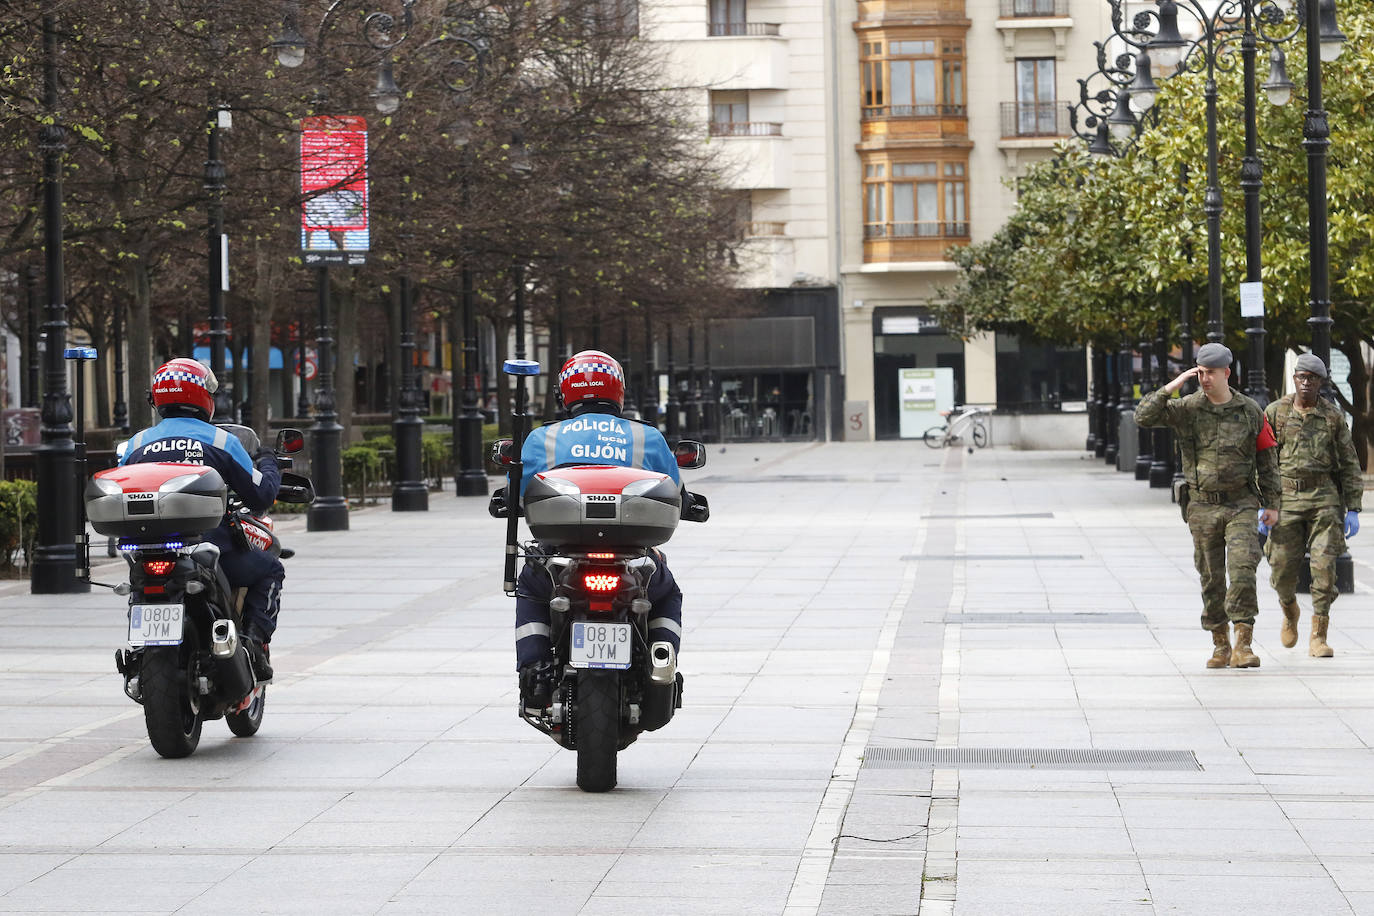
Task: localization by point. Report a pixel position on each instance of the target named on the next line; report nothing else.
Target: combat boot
(1288, 633)
(1241, 656)
(1317, 647)
(1221, 648)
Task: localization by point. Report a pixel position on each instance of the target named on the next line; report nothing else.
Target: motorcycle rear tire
(597, 720)
(246, 724)
(171, 707)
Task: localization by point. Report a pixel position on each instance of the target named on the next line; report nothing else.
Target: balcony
(741, 29)
(755, 162)
(1034, 9)
(1026, 120)
(746, 129)
(914, 122)
(756, 59)
(912, 11)
(764, 229)
(914, 241)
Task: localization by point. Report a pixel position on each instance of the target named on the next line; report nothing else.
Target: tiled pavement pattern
(843, 597)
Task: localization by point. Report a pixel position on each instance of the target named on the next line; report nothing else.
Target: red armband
(1265, 439)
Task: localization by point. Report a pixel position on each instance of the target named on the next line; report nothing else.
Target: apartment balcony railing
(741, 29)
(1035, 9)
(1035, 119)
(919, 230)
(746, 129)
(766, 228)
(873, 112)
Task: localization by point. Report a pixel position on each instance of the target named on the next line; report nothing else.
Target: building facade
(867, 137)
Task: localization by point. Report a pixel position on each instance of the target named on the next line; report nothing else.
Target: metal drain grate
(994, 515)
(1026, 758)
(1084, 618)
(983, 557)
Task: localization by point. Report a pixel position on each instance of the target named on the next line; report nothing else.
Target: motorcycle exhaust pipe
(663, 663)
(233, 671)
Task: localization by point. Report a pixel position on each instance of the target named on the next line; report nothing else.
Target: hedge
(18, 522)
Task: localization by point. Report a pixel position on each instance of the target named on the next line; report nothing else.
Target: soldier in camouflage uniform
(1322, 495)
(1230, 469)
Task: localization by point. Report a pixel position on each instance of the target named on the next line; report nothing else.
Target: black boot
(536, 686)
(259, 654)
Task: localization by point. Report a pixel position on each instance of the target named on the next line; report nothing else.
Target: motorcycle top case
(598, 506)
(156, 499)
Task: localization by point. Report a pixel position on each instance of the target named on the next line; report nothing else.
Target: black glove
(262, 453)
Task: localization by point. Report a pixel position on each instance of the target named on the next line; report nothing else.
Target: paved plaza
(916, 681)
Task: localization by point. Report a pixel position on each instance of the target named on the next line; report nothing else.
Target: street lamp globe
(290, 46)
(1332, 39)
(1167, 47)
(1121, 123)
(1278, 86)
(1142, 89)
(387, 95)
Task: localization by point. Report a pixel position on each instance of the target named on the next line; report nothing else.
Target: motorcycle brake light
(601, 582)
(601, 556)
(158, 567)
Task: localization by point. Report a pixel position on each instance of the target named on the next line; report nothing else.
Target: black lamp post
(32, 385)
(1247, 22)
(408, 493)
(673, 408)
(329, 511)
(121, 407)
(1161, 469)
(215, 247)
(1145, 451)
(55, 564)
(1323, 44)
(649, 401)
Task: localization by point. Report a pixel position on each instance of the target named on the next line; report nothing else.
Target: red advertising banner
(334, 212)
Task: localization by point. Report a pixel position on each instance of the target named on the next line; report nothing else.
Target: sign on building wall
(334, 212)
(923, 394)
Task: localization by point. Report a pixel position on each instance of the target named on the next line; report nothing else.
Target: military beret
(1213, 356)
(1310, 362)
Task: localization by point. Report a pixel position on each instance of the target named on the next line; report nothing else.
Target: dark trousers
(534, 635)
(259, 572)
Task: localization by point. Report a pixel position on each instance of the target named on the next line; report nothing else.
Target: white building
(869, 137)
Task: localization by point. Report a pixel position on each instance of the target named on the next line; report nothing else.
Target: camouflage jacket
(1317, 458)
(1217, 442)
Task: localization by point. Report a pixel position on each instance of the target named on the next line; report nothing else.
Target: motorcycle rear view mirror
(295, 488)
(290, 441)
(503, 452)
(689, 454)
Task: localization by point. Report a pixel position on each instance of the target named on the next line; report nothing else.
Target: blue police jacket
(596, 438)
(186, 440)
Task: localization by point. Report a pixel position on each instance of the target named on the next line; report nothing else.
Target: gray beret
(1213, 356)
(1310, 362)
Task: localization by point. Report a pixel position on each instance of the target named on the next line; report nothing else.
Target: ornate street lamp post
(54, 569)
(408, 493)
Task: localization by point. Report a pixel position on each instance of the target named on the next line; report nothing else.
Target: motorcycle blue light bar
(140, 545)
(79, 353)
(520, 367)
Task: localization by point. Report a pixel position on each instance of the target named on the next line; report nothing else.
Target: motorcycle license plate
(599, 645)
(155, 624)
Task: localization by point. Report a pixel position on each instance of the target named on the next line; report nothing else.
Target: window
(1035, 91)
(915, 199)
(727, 17)
(729, 113)
(909, 77)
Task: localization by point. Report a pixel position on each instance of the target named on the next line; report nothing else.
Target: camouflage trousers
(1320, 532)
(1225, 541)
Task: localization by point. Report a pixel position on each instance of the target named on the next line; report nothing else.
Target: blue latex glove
(1263, 528)
(1352, 523)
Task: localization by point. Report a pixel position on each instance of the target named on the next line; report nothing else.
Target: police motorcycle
(594, 528)
(185, 661)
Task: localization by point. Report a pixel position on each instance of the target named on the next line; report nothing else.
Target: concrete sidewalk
(916, 681)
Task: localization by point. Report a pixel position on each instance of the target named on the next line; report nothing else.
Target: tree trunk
(262, 340)
(140, 347)
(101, 372)
(345, 377)
(500, 381)
(1362, 425)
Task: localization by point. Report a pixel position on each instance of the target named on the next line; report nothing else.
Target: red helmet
(592, 376)
(185, 383)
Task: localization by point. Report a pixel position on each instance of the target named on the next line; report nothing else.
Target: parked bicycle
(970, 422)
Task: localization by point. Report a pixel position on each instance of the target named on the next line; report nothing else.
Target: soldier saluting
(1322, 495)
(1230, 469)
